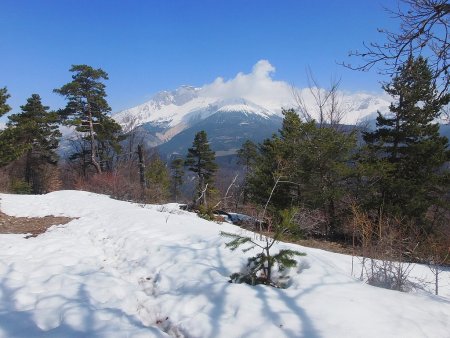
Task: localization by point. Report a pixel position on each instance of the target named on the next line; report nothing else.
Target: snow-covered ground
(126, 270)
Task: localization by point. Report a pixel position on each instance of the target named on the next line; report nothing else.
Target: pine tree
(269, 166)
(109, 135)
(8, 150)
(158, 180)
(282, 156)
(313, 164)
(247, 156)
(4, 108)
(260, 268)
(87, 110)
(406, 151)
(324, 170)
(177, 173)
(35, 133)
(201, 161)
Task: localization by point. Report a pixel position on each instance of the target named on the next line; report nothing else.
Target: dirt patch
(327, 245)
(336, 247)
(29, 225)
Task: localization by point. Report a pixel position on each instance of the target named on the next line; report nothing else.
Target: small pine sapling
(259, 268)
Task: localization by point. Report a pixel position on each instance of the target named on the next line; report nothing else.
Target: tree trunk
(269, 266)
(141, 167)
(332, 217)
(28, 168)
(436, 284)
(93, 148)
(203, 191)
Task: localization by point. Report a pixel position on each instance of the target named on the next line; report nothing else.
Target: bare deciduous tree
(437, 248)
(387, 252)
(135, 136)
(227, 196)
(328, 107)
(423, 30)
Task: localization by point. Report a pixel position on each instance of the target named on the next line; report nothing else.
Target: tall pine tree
(201, 161)
(406, 149)
(311, 162)
(158, 180)
(177, 173)
(8, 151)
(87, 110)
(35, 132)
(247, 156)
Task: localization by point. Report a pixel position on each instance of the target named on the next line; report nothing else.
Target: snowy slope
(123, 270)
(243, 106)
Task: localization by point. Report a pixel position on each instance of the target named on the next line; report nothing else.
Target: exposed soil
(337, 247)
(328, 246)
(29, 225)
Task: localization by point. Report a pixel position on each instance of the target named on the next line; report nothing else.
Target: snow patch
(128, 270)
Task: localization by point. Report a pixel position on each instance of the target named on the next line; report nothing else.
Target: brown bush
(388, 247)
(114, 184)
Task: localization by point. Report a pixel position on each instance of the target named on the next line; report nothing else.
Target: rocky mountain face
(227, 131)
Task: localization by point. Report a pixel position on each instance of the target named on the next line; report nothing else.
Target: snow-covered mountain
(189, 109)
(185, 105)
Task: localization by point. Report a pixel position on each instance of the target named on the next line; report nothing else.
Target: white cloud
(257, 86)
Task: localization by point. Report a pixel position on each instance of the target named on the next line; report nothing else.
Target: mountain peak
(243, 106)
(177, 97)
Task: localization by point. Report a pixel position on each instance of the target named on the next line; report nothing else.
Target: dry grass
(326, 245)
(29, 225)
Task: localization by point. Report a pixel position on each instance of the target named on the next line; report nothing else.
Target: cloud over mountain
(257, 86)
(256, 91)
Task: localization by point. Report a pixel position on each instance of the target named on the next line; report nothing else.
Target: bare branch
(328, 107)
(202, 193)
(226, 193)
(423, 30)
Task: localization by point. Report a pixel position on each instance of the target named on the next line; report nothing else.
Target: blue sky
(148, 46)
